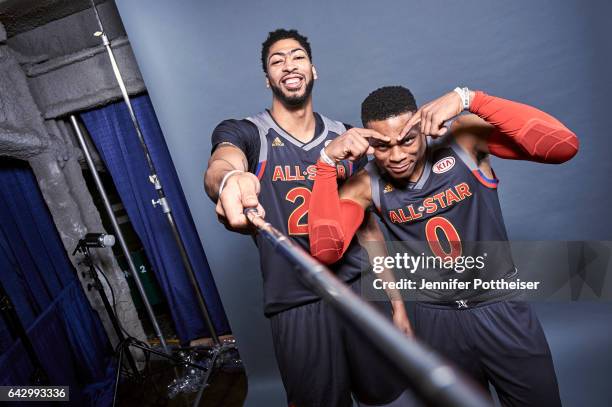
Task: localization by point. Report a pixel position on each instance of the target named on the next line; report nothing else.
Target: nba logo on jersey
(443, 165)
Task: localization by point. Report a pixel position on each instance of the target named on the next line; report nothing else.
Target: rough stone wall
(83, 79)
(69, 34)
(23, 15)
(54, 159)
(68, 68)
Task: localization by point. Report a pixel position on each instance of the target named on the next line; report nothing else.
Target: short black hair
(385, 102)
(282, 34)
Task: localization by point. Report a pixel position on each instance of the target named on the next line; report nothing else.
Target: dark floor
(227, 386)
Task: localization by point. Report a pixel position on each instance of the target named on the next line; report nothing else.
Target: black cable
(114, 300)
(129, 338)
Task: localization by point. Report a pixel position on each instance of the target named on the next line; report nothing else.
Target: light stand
(218, 348)
(154, 179)
(123, 348)
(97, 285)
(117, 231)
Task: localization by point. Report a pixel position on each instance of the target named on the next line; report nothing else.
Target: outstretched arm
(224, 159)
(522, 132)
(227, 180)
(227, 166)
(498, 126)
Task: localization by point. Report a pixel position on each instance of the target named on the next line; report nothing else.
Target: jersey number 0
(443, 225)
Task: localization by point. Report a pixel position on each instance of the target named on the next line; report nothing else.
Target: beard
(293, 101)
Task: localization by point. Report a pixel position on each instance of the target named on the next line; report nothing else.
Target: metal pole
(434, 379)
(154, 179)
(118, 374)
(117, 230)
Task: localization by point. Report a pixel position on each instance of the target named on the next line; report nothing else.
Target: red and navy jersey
(286, 167)
(452, 210)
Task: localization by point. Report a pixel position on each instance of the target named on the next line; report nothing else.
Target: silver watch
(464, 94)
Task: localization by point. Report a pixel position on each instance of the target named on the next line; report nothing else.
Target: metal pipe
(118, 234)
(434, 379)
(154, 179)
(118, 375)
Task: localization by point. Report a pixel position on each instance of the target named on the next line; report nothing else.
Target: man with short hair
(268, 161)
(439, 189)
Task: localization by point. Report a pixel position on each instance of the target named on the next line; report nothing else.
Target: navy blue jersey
(452, 211)
(286, 167)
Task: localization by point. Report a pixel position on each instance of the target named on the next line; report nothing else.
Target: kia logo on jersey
(443, 165)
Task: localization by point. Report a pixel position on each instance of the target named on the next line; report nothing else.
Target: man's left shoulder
(334, 126)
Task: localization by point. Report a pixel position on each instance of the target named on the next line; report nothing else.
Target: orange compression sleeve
(523, 132)
(332, 222)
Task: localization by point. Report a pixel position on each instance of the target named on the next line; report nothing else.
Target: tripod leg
(213, 361)
(97, 284)
(118, 375)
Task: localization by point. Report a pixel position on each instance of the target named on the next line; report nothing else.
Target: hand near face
(430, 118)
(353, 144)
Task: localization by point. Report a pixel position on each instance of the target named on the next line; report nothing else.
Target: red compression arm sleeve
(523, 132)
(332, 222)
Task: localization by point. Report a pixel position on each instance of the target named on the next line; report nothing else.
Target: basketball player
(268, 161)
(430, 186)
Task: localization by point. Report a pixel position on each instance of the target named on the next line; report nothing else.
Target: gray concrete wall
(69, 34)
(47, 71)
(67, 66)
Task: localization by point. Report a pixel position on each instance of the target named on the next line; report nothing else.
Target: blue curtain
(35, 271)
(115, 138)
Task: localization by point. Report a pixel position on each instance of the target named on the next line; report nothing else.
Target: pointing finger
(412, 122)
(369, 133)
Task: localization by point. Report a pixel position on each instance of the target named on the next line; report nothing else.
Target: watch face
(464, 94)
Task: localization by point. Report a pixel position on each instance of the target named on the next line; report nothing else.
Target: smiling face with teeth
(290, 75)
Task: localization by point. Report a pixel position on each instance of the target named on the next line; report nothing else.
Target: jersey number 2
(296, 225)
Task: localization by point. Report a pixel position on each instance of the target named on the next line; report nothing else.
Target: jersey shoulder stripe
(264, 123)
(263, 128)
(374, 173)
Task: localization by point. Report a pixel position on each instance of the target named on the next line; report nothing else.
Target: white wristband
(325, 158)
(464, 94)
(225, 178)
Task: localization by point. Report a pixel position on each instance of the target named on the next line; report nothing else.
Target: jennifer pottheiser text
(455, 284)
